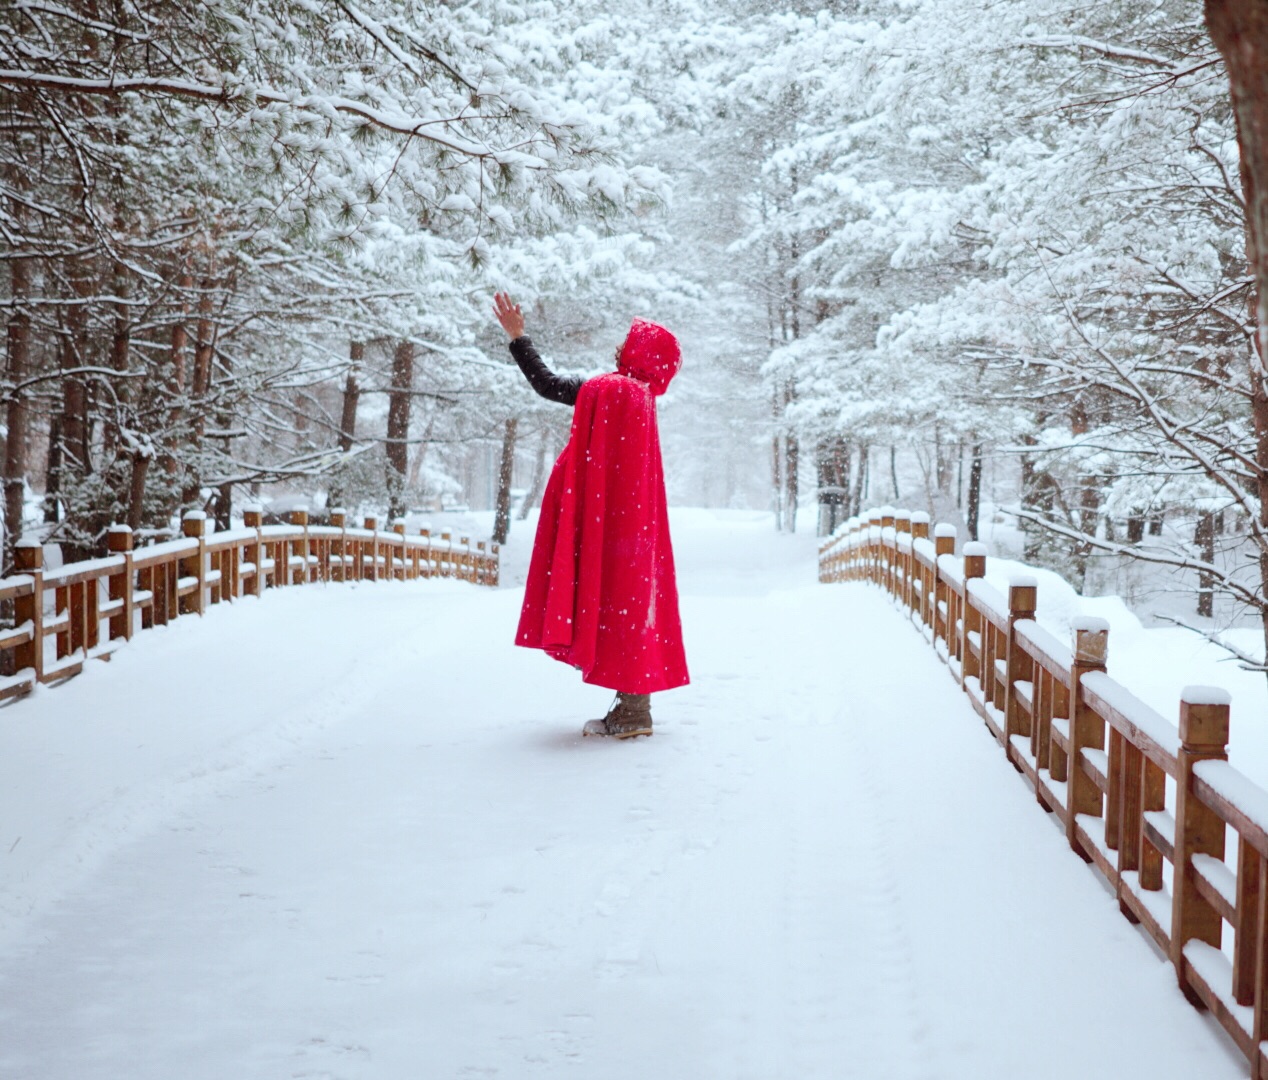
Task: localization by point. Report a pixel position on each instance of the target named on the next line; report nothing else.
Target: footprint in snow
(610, 900)
(620, 960)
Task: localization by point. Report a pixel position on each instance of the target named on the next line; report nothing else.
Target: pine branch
(1248, 662)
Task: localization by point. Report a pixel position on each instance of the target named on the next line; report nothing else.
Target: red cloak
(601, 592)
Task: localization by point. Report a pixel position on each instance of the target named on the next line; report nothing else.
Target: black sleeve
(560, 388)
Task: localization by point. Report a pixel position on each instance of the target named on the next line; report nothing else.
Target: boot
(630, 715)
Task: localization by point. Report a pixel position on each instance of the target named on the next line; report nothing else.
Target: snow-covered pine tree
(199, 202)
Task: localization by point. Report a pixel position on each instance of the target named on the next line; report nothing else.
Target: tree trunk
(943, 464)
(1204, 538)
(224, 507)
(351, 397)
(74, 425)
(502, 515)
(120, 352)
(975, 492)
(398, 410)
(176, 384)
(420, 455)
(893, 472)
(832, 462)
(539, 477)
(136, 489)
(791, 454)
(204, 347)
(18, 358)
(347, 420)
(224, 421)
(75, 355)
(860, 477)
(200, 386)
(791, 465)
(1031, 488)
(1239, 30)
(1089, 509)
(53, 472)
(16, 451)
(777, 472)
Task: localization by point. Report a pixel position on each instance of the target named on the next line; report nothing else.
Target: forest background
(983, 258)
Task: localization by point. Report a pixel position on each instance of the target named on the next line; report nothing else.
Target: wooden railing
(86, 610)
(1154, 806)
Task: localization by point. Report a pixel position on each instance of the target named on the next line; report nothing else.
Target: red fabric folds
(601, 592)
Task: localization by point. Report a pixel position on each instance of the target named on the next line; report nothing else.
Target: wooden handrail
(86, 610)
(1098, 758)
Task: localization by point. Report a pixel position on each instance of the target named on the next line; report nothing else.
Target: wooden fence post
(1087, 729)
(319, 548)
(398, 527)
(298, 549)
(372, 523)
(427, 555)
(1250, 950)
(415, 563)
(356, 548)
(919, 531)
(231, 561)
(496, 570)
(865, 547)
(874, 549)
(971, 618)
(252, 518)
(1199, 830)
(1023, 598)
(888, 554)
(1249, 918)
(902, 529)
(864, 560)
(119, 539)
(194, 525)
(339, 520)
(28, 558)
(943, 544)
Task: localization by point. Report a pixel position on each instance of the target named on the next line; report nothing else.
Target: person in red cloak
(601, 593)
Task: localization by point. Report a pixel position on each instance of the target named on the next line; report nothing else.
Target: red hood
(650, 354)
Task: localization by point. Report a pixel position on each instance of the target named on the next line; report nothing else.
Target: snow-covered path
(351, 832)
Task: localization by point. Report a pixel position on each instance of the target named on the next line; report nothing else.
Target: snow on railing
(1149, 803)
(86, 610)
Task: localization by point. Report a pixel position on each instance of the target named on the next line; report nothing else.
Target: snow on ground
(351, 832)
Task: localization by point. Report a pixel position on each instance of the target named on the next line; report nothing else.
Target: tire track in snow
(854, 1006)
(893, 952)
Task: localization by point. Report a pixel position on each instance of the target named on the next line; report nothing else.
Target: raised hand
(509, 315)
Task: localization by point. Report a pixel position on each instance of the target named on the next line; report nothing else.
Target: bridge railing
(86, 610)
(1179, 833)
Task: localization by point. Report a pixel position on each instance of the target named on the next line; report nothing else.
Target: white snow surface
(351, 831)
(1206, 695)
